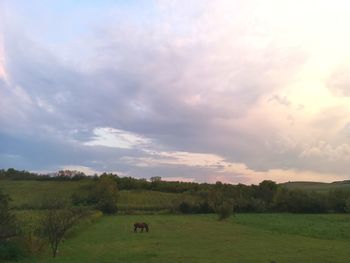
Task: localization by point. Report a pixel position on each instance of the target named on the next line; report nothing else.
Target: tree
(266, 191)
(347, 205)
(58, 220)
(156, 179)
(7, 219)
(224, 210)
(105, 194)
(221, 201)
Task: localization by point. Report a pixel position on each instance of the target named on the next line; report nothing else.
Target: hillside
(318, 186)
(29, 194)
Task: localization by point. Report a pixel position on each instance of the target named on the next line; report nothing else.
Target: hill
(318, 186)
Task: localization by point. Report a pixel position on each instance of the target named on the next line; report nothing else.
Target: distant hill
(318, 186)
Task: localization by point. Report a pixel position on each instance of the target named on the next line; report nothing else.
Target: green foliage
(8, 226)
(347, 205)
(57, 222)
(30, 233)
(11, 251)
(161, 196)
(185, 207)
(224, 210)
(105, 194)
(266, 191)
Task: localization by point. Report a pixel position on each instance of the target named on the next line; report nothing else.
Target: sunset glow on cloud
(236, 91)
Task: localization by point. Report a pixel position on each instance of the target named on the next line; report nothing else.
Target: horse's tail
(146, 226)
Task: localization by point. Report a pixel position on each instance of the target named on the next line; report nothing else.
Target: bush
(8, 225)
(105, 195)
(79, 199)
(30, 235)
(11, 250)
(224, 210)
(185, 207)
(57, 222)
(204, 208)
(347, 206)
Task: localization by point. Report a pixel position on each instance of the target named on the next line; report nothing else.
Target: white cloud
(245, 90)
(110, 137)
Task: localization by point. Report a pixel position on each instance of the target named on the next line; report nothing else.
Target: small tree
(155, 179)
(57, 221)
(105, 194)
(347, 205)
(224, 210)
(220, 200)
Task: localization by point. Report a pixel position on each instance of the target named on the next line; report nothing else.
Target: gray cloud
(194, 85)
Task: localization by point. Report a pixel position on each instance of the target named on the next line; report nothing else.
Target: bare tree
(57, 222)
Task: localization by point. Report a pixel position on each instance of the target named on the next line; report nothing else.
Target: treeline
(264, 197)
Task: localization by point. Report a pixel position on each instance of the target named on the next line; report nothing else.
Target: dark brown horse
(140, 225)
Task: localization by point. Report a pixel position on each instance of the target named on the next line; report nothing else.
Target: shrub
(30, 235)
(105, 195)
(11, 250)
(204, 208)
(347, 205)
(224, 210)
(185, 207)
(57, 222)
(8, 227)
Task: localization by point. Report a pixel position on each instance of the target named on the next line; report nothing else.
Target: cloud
(333, 153)
(234, 90)
(110, 137)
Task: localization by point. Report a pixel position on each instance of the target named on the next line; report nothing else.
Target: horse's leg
(142, 229)
(135, 229)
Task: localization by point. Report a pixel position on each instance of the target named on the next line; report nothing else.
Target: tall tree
(105, 194)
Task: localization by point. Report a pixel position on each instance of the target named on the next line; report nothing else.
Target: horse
(140, 225)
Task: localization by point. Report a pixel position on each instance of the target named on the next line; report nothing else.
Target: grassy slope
(147, 200)
(195, 239)
(325, 226)
(33, 192)
(316, 186)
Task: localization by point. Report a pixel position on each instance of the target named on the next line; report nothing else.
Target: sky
(237, 91)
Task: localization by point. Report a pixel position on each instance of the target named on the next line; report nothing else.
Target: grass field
(201, 238)
(32, 192)
(29, 194)
(147, 200)
(317, 186)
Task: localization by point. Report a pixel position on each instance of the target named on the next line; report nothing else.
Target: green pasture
(202, 238)
(30, 194)
(317, 186)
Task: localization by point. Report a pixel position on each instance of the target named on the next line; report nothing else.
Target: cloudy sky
(236, 90)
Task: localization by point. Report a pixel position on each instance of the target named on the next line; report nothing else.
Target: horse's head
(146, 226)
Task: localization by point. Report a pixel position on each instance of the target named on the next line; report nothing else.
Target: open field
(29, 194)
(317, 186)
(201, 238)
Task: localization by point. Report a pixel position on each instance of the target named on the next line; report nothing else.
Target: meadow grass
(30, 194)
(195, 238)
(325, 226)
(318, 186)
(134, 200)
